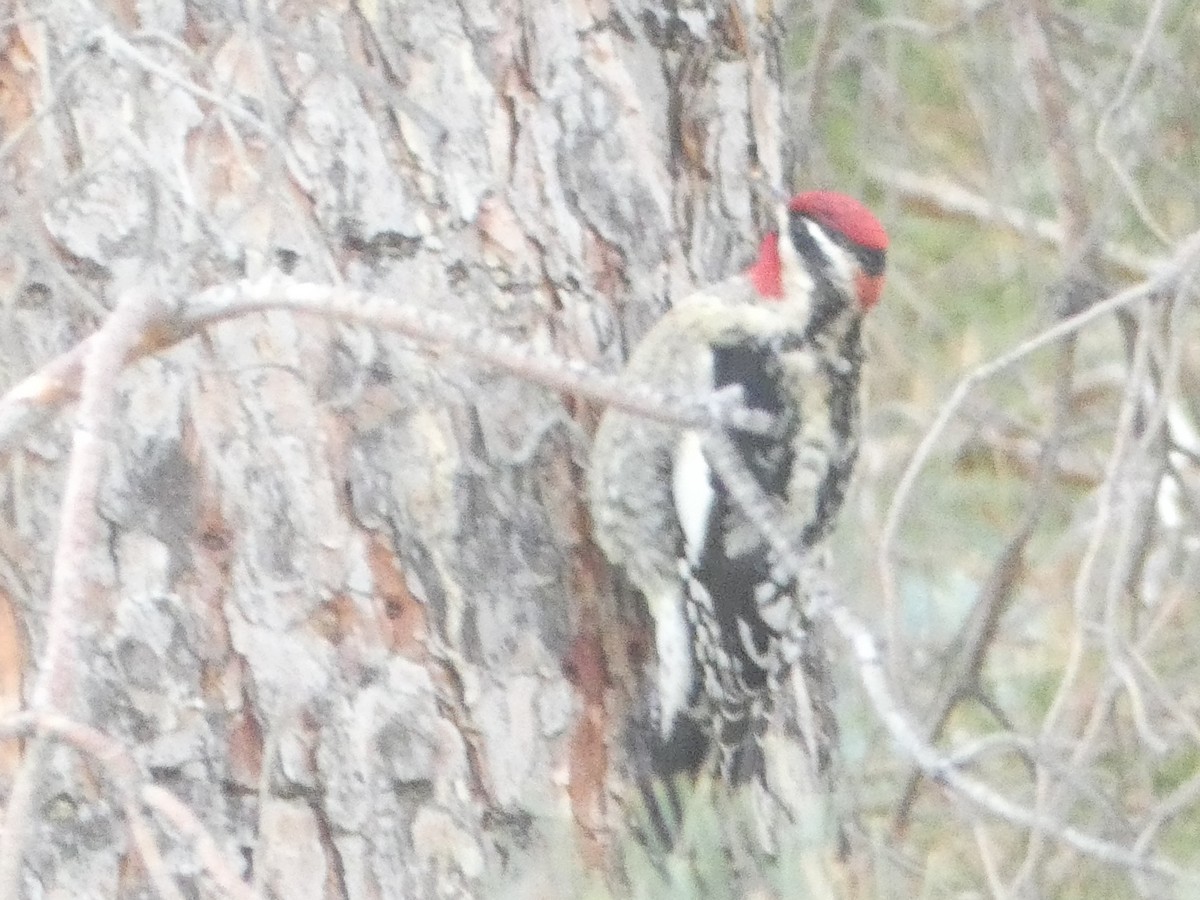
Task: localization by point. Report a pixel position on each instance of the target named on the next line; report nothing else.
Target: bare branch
(123, 772)
(72, 582)
(1074, 210)
(1104, 148)
(945, 198)
(876, 682)
(1177, 268)
(35, 398)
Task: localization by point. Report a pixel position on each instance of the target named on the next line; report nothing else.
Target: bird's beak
(868, 288)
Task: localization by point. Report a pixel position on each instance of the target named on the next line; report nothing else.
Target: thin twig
(809, 101)
(874, 679)
(193, 834)
(1186, 254)
(1083, 602)
(1029, 18)
(869, 663)
(1133, 72)
(34, 399)
(72, 581)
(940, 196)
(122, 773)
(119, 766)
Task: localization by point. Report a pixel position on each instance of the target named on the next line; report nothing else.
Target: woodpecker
(729, 621)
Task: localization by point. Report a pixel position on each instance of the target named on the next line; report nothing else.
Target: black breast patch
(738, 580)
(756, 368)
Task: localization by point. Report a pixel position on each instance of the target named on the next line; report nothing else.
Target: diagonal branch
(940, 197)
(1171, 273)
(960, 680)
(123, 772)
(38, 397)
(865, 651)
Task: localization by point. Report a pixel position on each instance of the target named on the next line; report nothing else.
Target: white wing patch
(692, 490)
(676, 666)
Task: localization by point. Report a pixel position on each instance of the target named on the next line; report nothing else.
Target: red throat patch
(868, 288)
(766, 274)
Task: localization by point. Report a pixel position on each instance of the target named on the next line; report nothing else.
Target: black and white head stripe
(829, 261)
(842, 246)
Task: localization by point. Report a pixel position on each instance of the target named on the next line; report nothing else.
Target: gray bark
(350, 614)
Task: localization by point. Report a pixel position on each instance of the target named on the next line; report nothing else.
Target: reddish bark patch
(12, 664)
(588, 746)
(212, 547)
(245, 748)
(402, 619)
(588, 665)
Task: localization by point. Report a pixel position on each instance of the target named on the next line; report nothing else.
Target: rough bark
(348, 610)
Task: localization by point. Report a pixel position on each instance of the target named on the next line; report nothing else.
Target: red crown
(842, 214)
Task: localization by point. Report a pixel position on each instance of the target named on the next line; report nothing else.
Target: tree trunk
(345, 606)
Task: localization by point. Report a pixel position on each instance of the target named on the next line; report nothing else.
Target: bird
(729, 618)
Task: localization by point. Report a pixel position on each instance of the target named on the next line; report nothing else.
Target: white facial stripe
(692, 490)
(793, 272)
(842, 262)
